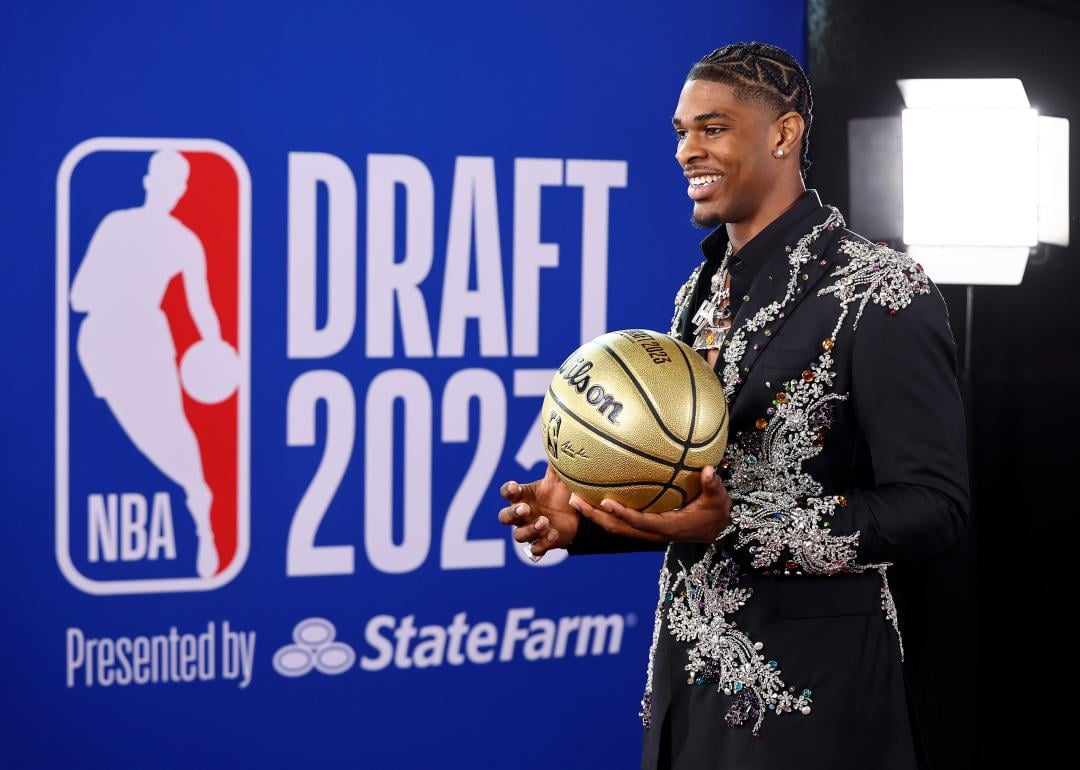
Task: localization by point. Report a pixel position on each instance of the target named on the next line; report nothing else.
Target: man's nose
(688, 149)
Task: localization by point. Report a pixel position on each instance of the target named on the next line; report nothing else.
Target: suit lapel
(770, 285)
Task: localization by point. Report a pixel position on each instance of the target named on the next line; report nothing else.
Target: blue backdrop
(426, 207)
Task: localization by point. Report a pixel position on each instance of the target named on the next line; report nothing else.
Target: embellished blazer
(779, 643)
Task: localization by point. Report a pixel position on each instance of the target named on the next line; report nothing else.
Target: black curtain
(989, 653)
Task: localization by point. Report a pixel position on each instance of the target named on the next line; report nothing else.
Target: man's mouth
(702, 186)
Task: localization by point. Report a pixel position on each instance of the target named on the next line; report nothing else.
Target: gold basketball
(634, 415)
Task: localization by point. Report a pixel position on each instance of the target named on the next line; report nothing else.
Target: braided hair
(764, 74)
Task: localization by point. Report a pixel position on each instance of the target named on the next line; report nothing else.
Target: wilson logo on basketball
(575, 371)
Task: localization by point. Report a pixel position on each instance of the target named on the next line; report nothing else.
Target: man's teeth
(701, 181)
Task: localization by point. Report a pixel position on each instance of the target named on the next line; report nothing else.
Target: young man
(776, 641)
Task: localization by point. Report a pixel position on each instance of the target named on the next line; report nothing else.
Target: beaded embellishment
(875, 272)
(682, 299)
(779, 514)
(798, 257)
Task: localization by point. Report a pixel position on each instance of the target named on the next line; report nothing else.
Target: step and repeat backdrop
(283, 287)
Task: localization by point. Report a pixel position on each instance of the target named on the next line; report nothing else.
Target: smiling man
(776, 640)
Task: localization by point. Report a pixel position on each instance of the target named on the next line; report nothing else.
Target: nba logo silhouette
(152, 365)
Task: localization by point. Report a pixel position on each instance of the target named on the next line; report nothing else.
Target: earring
(779, 153)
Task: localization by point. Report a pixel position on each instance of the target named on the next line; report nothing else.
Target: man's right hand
(540, 513)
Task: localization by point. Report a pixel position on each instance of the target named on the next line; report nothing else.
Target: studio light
(980, 179)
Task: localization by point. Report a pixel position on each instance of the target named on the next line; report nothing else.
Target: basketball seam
(614, 483)
(648, 402)
(688, 442)
(612, 439)
(690, 432)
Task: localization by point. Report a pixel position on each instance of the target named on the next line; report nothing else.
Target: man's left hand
(701, 521)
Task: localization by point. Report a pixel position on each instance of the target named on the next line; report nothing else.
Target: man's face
(723, 149)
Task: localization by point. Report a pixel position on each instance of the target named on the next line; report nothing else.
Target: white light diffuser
(1054, 180)
(986, 265)
(955, 93)
(970, 177)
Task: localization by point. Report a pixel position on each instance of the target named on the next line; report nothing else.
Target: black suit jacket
(873, 472)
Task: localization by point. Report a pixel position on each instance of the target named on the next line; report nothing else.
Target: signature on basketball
(569, 450)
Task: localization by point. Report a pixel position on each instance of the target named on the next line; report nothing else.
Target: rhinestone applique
(779, 513)
(876, 272)
(798, 257)
(701, 598)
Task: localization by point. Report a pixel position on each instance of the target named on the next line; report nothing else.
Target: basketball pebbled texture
(634, 415)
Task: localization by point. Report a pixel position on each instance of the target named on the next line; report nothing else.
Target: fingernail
(574, 503)
(606, 505)
(521, 509)
(512, 488)
(552, 536)
(540, 523)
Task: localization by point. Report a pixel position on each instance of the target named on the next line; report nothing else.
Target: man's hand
(701, 521)
(540, 513)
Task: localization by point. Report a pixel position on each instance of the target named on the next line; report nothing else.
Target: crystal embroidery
(876, 272)
(779, 513)
(646, 701)
(721, 653)
(798, 257)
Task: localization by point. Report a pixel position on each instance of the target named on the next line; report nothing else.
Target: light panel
(1054, 180)
(953, 93)
(987, 265)
(970, 177)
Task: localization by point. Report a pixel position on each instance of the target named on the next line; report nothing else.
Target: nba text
(125, 527)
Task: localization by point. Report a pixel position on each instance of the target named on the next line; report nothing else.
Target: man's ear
(789, 129)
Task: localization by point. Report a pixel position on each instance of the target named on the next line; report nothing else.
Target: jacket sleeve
(906, 401)
(592, 538)
(914, 504)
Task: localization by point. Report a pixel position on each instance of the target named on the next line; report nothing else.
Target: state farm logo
(153, 284)
(314, 647)
(399, 642)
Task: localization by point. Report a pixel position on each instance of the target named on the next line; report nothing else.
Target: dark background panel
(986, 631)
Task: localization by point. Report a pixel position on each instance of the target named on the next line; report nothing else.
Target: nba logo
(152, 365)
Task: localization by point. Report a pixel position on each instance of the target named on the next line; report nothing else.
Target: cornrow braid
(762, 73)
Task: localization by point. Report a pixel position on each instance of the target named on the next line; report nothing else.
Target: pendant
(704, 314)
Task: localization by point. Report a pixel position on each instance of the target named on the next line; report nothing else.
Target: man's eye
(715, 129)
(680, 135)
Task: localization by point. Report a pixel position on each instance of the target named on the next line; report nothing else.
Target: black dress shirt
(747, 261)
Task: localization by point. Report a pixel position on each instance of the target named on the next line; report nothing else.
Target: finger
(529, 532)
(611, 523)
(711, 483)
(648, 522)
(713, 492)
(511, 490)
(525, 534)
(545, 543)
(515, 514)
(538, 529)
